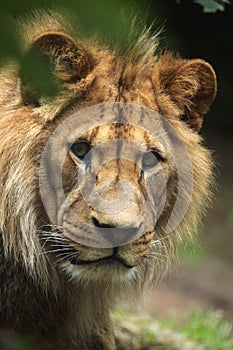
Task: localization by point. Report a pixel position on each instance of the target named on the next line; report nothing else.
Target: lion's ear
(191, 85)
(62, 56)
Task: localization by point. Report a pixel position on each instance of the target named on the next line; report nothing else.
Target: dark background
(194, 33)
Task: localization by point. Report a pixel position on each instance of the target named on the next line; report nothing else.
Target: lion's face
(123, 183)
(130, 188)
(107, 223)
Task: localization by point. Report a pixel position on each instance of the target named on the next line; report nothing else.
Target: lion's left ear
(191, 85)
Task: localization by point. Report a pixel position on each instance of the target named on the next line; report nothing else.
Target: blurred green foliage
(207, 328)
(110, 20)
(211, 6)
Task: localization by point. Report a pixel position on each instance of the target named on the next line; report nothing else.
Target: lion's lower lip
(109, 260)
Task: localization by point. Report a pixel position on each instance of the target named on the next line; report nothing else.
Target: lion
(67, 256)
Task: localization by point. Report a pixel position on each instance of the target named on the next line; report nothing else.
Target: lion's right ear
(60, 57)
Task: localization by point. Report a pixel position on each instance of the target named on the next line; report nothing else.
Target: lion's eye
(80, 148)
(150, 160)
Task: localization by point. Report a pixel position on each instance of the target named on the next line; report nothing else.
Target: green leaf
(37, 75)
(210, 6)
(8, 38)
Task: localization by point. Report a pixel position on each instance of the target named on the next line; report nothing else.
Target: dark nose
(101, 225)
(117, 236)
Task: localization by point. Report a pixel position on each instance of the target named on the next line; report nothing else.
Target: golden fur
(60, 305)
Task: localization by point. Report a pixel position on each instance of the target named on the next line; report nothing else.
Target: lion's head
(90, 179)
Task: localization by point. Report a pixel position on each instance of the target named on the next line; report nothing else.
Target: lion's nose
(113, 221)
(102, 225)
(115, 234)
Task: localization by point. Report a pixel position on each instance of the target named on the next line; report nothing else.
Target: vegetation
(212, 6)
(201, 330)
(207, 328)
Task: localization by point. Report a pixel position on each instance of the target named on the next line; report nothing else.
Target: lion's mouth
(108, 260)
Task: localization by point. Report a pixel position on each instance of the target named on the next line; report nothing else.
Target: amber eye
(150, 160)
(80, 148)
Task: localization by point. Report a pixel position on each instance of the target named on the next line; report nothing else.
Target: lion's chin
(105, 270)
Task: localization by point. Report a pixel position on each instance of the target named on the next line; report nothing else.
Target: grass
(207, 328)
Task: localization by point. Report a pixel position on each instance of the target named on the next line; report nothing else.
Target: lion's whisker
(64, 257)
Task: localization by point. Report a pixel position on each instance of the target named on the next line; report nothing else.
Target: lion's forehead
(132, 133)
